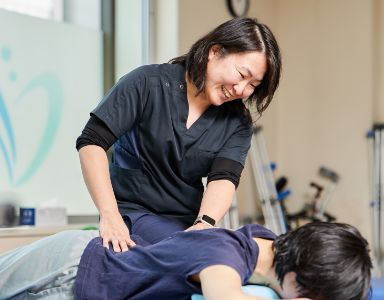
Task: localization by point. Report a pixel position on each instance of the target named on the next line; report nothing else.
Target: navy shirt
(162, 271)
(157, 163)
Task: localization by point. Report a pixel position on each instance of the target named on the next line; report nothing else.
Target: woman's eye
(241, 74)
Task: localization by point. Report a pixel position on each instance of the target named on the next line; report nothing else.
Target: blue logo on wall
(50, 84)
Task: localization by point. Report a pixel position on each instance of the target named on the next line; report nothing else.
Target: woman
(171, 125)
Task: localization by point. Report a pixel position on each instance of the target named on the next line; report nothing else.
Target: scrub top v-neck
(157, 163)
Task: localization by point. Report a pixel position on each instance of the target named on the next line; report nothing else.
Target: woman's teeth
(225, 92)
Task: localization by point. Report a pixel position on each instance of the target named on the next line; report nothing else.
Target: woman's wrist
(202, 226)
(205, 219)
(109, 213)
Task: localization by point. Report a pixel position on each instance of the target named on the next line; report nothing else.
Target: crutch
(376, 163)
(379, 129)
(265, 184)
(231, 218)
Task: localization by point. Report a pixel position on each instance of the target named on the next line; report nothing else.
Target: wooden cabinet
(11, 238)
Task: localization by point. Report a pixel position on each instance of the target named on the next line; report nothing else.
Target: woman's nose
(241, 89)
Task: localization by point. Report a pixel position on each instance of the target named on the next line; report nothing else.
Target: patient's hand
(113, 230)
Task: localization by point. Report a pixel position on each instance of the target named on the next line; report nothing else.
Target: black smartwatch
(205, 219)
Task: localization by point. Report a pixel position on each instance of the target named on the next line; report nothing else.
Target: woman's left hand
(199, 226)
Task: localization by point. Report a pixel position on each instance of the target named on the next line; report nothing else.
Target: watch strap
(205, 219)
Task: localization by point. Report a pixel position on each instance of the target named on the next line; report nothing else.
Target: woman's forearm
(94, 165)
(217, 199)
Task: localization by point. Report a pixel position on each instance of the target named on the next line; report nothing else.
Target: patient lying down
(318, 261)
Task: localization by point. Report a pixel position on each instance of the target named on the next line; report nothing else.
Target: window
(46, 9)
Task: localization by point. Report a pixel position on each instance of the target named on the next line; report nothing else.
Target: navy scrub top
(162, 271)
(157, 163)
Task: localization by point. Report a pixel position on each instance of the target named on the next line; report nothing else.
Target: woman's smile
(226, 93)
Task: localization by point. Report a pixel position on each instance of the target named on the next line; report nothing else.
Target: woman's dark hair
(236, 36)
(331, 261)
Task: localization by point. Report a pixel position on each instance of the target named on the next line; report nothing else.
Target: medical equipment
(376, 166)
(231, 218)
(315, 210)
(265, 183)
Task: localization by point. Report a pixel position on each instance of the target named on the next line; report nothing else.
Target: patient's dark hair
(331, 261)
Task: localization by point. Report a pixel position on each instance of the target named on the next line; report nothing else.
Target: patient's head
(330, 260)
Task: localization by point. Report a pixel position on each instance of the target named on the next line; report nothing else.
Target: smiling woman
(172, 124)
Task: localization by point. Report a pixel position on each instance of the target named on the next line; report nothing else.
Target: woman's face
(233, 76)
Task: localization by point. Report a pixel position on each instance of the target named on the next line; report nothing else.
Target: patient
(319, 261)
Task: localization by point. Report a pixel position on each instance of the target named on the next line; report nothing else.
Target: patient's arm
(221, 282)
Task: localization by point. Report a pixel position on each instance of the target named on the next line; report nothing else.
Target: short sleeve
(256, 230)
(123, 105)
(237, 146)
(224, 257)
(211, 247)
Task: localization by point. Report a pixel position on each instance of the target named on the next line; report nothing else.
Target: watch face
(238, 8)
(209, 220)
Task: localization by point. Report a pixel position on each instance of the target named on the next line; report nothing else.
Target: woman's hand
(199, 226)
(113, 230)
(94, 165)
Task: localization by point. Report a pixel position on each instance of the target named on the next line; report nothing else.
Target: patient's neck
(264, 272)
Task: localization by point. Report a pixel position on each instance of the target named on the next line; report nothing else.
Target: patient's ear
(289, 288)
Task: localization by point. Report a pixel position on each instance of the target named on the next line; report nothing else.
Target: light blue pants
(45, 269)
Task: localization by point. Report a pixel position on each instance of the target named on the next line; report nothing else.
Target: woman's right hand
(113, 230)
(94, 165)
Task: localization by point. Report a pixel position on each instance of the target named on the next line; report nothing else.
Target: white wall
(326, 99)
(86, 13)
(129, 36)
(166, 28)
(378, 44)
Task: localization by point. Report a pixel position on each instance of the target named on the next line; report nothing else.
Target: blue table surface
(377, 289)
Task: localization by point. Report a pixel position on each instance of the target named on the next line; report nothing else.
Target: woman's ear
(214, 51)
